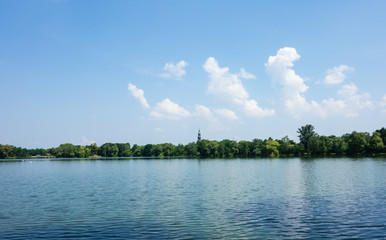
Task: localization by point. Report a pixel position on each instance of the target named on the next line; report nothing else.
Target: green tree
(357, 142)
(157, 151)
(306, 136)
(234, 148)
(257, 147)
(203, 148)
(93, 149)
(124, 149)
(179, 150)
(82, 152)
(271, 148)
(339, 145)
(213, 148)
(147, 150)
(66, 150)
(287, 146)
(299, 149)
(168, 149)
(38, 152)
(108, 150)
(316, 145)
(6, 151)
(191, 149)
(138, 151)
(245, 148)
(376, 144)
(382, 133)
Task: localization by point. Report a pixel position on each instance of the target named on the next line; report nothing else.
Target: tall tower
(199, 135)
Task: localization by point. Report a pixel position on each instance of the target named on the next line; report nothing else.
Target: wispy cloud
(382, 103)
(86, 141)
(209, 118)
(175, 71)
(337, 75)
(204, 113)
(138, 94)
(353, 100)
(245, 75)
(226, 113)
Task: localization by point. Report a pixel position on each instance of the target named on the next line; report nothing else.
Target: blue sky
(157, 71)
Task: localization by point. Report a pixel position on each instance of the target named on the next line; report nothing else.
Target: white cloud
(223, 85)
(226, 113)
(279, 67)
(252, 109)
(354, 100)
(210, 120)
(383, 103)
(138, 94)
(349, 104)
(348, 90)
(175, 71)
(228, 88)
(337, 75)
(166, 109)
(245, 75)
(205, 113)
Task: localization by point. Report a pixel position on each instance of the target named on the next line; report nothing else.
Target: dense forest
(310, 144)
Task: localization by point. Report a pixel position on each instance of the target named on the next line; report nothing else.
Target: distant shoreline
(311, 144)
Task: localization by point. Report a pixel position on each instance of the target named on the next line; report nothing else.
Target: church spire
(199, 135)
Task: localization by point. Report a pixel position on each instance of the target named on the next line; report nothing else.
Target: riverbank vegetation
(310, 144)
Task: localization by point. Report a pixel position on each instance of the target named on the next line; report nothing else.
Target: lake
(193, 199)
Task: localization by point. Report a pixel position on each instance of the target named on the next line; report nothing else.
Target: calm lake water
(200, 199)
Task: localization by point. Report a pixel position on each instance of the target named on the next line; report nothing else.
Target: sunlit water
(193, 199)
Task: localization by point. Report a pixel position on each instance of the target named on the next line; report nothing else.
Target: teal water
(193, 199)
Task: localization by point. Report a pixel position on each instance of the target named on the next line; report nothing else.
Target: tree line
(310, 144)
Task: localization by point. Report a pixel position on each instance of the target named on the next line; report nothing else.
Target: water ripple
(192, 199)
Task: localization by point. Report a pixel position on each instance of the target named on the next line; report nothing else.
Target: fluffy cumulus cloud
(337, 75)
(166, 109)
(175, 71)
(138, 94)
(228, 87)
(280, 68)
(226, 113)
